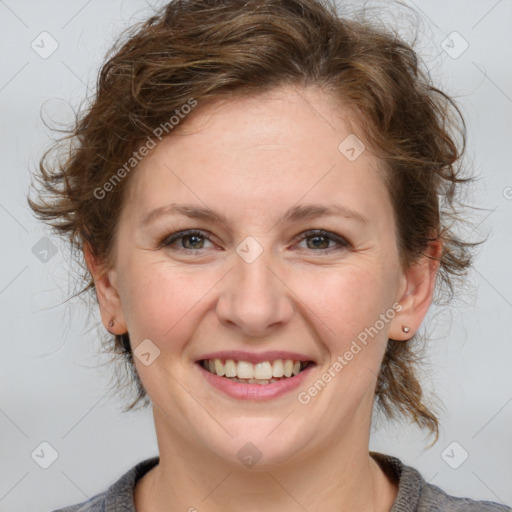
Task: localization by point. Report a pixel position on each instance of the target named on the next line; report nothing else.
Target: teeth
(254, 381)
(219, 368)
(245, 370)
(257, 381)
(277, 368)
(229, 368)
(288, 368)
(259, 373)
(263, 370)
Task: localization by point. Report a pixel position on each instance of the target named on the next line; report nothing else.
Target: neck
(343, 476)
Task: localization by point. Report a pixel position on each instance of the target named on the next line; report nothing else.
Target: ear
(417, 292)
(109, 301)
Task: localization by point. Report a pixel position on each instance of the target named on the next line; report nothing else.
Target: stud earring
(405, 328)
(111, 324)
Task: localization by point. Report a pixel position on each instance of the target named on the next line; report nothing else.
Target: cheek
(345, 302)
(345, 305)
(160, 300)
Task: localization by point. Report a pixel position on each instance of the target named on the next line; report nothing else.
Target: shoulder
(416, 495)
(119, 496)
(433, 499)
(94, 504)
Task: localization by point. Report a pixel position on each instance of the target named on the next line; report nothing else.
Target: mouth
(262, 373)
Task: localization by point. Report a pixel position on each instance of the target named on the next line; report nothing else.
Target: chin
(261, 444)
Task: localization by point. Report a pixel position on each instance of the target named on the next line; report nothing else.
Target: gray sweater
(414, 493)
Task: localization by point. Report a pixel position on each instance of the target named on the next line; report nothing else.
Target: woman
(256, 190)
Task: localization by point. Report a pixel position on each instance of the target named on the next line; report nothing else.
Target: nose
(255, 299)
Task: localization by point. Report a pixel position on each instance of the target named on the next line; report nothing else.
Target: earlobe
(417, 293)
(109, 301)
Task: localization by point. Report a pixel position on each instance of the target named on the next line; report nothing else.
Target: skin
(251, 159)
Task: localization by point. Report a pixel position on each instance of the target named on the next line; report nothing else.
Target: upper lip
(255, 357)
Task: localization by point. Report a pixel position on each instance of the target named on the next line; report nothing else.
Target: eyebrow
(294, 214)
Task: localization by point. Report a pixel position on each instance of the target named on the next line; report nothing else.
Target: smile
(264, 372)
(260, 380)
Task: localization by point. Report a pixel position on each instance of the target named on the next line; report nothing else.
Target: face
(253, 282)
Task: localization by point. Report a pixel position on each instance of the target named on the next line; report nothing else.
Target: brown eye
(193, 241)
(319, 240)
(190, 240)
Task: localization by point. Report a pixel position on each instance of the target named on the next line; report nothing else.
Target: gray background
(52, 388)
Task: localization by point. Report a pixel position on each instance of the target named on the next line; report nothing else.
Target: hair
(209, 49)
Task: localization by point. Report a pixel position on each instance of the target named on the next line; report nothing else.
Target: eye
(320, 240)
(193, 240)
(190, 240)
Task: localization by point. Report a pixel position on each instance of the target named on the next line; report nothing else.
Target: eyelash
(168, 240)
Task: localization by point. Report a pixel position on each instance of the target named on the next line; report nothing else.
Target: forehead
(262, 153)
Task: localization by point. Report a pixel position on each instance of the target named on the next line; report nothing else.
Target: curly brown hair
(207, 49)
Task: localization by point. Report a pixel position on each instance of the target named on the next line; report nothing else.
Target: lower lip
(256, 392)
